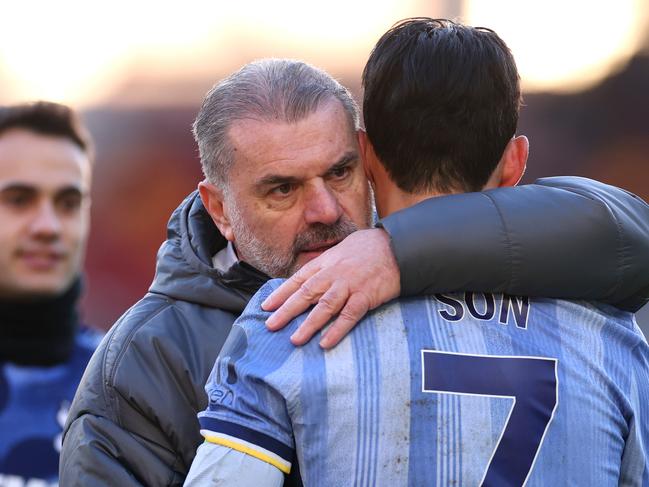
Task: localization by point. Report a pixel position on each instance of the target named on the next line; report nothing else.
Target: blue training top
(34, 403)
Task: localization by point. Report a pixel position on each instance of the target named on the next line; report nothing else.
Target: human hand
(357, 275)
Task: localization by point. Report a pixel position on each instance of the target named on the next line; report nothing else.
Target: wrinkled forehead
(311, 143)
(41, 161)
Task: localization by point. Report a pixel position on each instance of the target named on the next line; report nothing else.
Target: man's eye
(340, 172)
(69, 203)
(282, 190)
(17, 200)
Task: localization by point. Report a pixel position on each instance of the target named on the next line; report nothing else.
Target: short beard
(280, 263)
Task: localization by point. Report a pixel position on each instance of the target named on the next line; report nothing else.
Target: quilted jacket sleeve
(133, 420)
(561, 237)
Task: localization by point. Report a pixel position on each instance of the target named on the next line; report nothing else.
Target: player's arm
(219, 465)
(565, 237)
(247, 411)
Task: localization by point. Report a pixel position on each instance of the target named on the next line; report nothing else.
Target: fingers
(328, 306)
(307, 294)
(288, 287)
(357, 306)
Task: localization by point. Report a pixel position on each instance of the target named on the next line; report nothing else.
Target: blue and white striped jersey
(442, 390)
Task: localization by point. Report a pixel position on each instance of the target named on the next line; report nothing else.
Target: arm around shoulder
(564, 237)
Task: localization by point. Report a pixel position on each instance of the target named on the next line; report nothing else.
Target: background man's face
(44, 213)
(295, 190)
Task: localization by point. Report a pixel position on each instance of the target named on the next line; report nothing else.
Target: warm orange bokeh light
(564, 45)
(82, 54)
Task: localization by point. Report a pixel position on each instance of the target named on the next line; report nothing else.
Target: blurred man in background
(45, 172)
(468, 389)
(283, 182)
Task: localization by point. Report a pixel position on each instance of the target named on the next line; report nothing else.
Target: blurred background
(137, 71)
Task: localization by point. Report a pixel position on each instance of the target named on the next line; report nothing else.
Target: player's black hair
(47, 118)
(440, 104)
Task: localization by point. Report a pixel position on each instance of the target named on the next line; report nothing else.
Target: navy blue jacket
(34, 403)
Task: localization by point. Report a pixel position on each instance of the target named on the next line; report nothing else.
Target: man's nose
(46, 223)
(322, 205)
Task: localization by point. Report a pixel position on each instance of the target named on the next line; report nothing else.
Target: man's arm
(99, 446)
(133, 420)
(563, 237)
(99, 452)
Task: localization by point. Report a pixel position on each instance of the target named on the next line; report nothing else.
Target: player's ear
(367, 155)
(214, 202)
(512, 164)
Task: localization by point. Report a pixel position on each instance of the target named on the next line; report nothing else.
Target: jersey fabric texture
(456, 389)
(34, 404)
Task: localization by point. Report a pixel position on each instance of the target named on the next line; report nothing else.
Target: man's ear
(213, 201)
(512, 164)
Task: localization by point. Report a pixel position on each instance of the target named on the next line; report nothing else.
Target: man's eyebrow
(69, 191)
(18, 187)
(28, 188)
(348, 159)
(275, 179)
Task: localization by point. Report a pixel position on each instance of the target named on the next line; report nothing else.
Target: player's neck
(390, 199)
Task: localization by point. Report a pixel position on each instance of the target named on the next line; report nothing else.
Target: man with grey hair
(280, 210)
(283, 183)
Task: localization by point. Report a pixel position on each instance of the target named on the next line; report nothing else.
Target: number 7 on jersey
(532, 383)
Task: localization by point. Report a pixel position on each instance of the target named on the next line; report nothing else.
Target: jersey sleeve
(246, 390)
(218, 465)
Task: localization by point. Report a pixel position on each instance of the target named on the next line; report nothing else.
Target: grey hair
(266, 90)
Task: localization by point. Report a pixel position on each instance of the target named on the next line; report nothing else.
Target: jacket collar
(184, 264)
